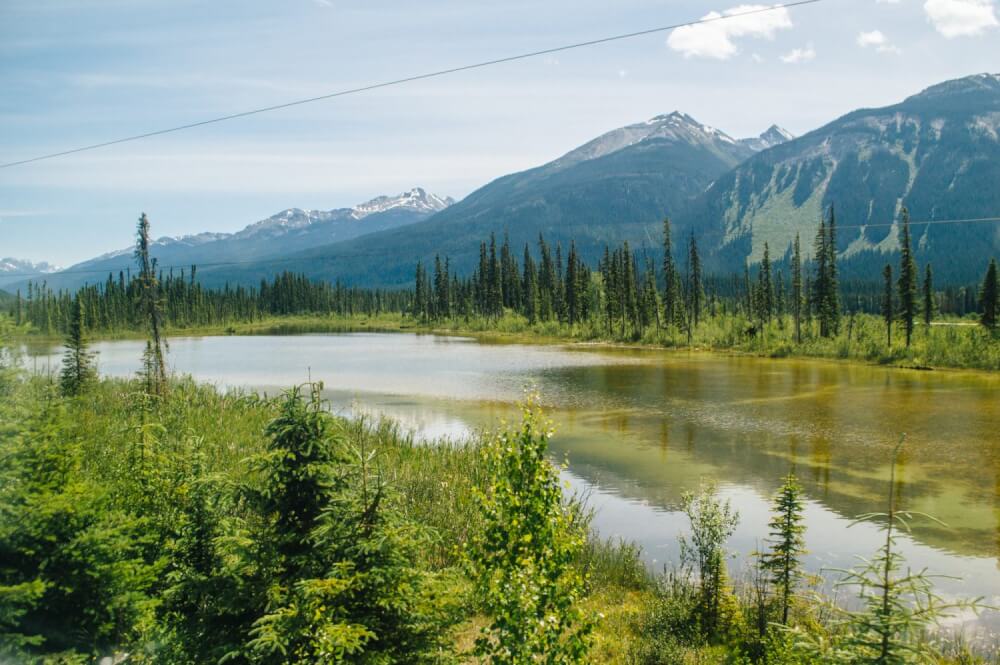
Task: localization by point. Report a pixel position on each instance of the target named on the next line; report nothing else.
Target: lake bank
(516, 330)
(640, 427)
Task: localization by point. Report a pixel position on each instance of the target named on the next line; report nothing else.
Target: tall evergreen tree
(907, 279)
(696, 292)
(559, 288)
(78, 362)
(989, 297)
(546, 281)
(825, 293)
(495, 288)
(670, 293)
(928, 308)
(787, 526)
(887, 305)
(833, 283)
(765, 288)
(573, 296)
(154, 367)
(420, 295)
(530, 286)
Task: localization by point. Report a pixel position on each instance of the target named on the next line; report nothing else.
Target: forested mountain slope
(277, 236)
(617, 186)
(937, 153)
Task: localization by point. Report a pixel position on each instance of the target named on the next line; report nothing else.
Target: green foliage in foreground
(522, 562)
(202, 527)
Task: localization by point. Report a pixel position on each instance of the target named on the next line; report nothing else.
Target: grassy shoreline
(151, 457)
(955, 346)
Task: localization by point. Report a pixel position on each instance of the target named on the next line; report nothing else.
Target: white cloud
(714, 39)
(798, 55)
(756, 58)
(873, 38)
(876, 39)
(961, 18)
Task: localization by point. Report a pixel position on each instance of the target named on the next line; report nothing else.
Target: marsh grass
(144, 452)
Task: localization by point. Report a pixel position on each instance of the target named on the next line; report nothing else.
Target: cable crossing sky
(408, 79)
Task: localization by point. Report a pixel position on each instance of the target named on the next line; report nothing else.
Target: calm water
(641, 427)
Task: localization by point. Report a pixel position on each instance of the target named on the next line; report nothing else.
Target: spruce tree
(546, 281)
(928, 308)
(495, 288)
(419, 292)
(78, 362)
(989, 297)
(696, 292)
(907, 279)
(821, 279)
(833, 284)
(765, 288)
(887, 308)
(338, 567)
(787, 526)
(530, 286)
(670, 294)
(572, 286)
(154, 368)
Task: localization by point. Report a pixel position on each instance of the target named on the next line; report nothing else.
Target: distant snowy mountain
(416, 202)
(619, 185)
(284, 233)
(773, 136)
(14, 270)
(676, 127)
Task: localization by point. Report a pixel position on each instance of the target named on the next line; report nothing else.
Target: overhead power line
(407, 79)
(287, 259)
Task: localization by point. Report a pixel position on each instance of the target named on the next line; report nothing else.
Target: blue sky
(81, 71)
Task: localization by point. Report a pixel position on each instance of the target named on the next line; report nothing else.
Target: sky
(76, 72)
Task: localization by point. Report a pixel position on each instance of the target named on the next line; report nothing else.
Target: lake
(639, 428)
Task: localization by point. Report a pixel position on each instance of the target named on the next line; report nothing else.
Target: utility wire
(408, 79)
(265, 261)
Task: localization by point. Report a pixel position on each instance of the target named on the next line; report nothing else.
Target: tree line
(626, 294)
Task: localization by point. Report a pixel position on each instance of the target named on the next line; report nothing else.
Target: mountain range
(615, 187)
(268, 240)
(936, 152)
(15, 270)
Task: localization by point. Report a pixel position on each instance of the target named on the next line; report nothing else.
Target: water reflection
(640, 428)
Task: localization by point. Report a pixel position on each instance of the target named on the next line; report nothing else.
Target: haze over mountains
(16, 270)
(281, 234)
(937, 152)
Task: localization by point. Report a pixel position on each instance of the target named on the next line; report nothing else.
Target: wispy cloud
(961, 18)
(10, 214)
(798, 55)
(715, 39)
(188, 81)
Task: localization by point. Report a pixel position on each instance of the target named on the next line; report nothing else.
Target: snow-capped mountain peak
(772, 136)
(23, 266)
(290, 230)
(417, 199)
(674, 127)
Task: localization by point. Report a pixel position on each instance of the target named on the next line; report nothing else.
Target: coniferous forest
(155, 520)
(784, 306)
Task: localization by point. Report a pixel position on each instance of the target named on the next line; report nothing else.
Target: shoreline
(396, 324)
